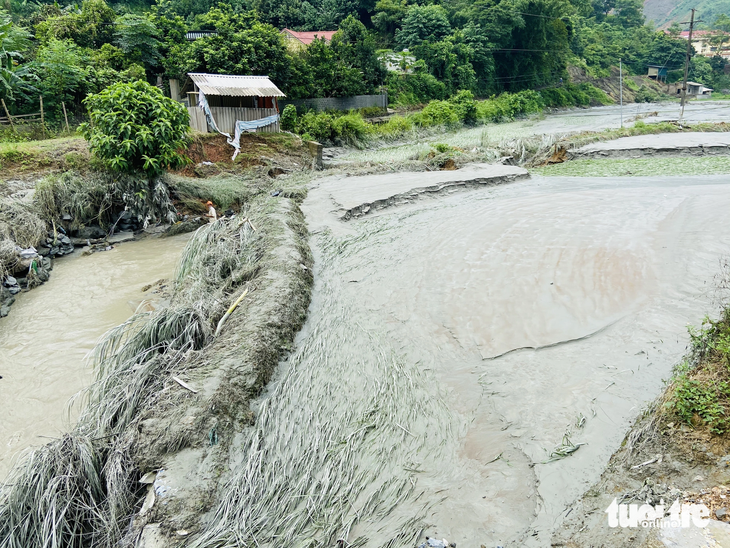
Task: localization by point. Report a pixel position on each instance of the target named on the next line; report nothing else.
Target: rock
(156, 229)
(724, 462)
(65, 240)
(10, 281)
(67, 217)
(90, 233)
(120, 237)
(203, 170)
(276, 171)
(720, 513)
(4, 310)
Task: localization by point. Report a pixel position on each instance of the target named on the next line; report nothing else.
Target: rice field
(638, 167)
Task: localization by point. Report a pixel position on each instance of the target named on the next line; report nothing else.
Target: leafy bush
(395, 126)
(350, 128)
(465, 106)
(289, 118)
(645, 95)
(570, 95)
(318, 125)
(416, 88)
(436, 113)
(134, 127)
(700, 395)
(508, 105)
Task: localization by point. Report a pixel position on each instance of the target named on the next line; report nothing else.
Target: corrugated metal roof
(235, 86)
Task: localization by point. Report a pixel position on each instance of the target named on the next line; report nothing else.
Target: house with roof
(230, 104)
(657, 72)
(694, 89)
(297, 41)
(704, 43)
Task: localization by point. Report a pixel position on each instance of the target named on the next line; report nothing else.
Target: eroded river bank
(44, 341)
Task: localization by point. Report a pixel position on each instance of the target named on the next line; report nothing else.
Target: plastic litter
(28, 253)
(435, 543)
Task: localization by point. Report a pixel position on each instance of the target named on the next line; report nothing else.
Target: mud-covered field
(478, 344)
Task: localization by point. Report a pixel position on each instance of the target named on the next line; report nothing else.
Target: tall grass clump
(20, 227)
(79, 491)
(224, 191)
(96, 198)
(20, 223)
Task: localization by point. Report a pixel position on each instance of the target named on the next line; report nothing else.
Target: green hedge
(352, 129)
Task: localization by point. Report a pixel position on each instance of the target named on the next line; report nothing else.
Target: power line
(532, 50)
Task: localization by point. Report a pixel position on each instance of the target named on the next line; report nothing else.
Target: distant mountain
(665, 12)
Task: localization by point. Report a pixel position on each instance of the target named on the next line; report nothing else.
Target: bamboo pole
(65, 116)
(43, 119)
(7, 113)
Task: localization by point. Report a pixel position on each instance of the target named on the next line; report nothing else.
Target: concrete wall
(338, 103)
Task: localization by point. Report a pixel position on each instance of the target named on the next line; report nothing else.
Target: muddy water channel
(454, 343)
(50, 329)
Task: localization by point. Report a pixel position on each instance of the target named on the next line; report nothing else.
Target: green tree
(136, 37)
(135, 128)
(242, 45)
(629, 13)
(15, 79)
(62, 68)
(423, 24)
(722, 22)
(353, 45)
(388, 17)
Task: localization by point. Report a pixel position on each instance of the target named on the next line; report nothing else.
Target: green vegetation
(699, 394)
(134, 128)
(65, 51)
(353, 129)
(637, 167)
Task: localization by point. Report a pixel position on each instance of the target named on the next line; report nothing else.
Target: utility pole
(621, 89)
(686, 62)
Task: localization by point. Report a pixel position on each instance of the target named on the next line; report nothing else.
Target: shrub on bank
(436, 113)
(352, 129)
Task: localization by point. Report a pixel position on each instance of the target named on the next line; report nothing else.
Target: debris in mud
(433, 543)
(560, 155)
(565, 449)
(716, 499)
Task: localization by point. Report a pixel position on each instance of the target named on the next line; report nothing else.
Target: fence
(339, 103)
(32, 118)
(226, 117)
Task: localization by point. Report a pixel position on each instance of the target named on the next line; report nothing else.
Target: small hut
(251, 100)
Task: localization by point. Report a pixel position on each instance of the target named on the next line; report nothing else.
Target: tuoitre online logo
(646, 515)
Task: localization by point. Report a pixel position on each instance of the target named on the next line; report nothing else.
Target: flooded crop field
(457, 348)
(478, 342)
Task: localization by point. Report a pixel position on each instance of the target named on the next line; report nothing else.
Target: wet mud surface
(44, 340)
(667, 144)
(521, 313)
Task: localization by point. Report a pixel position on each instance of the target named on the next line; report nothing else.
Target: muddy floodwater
(50, 329)
(454, 343)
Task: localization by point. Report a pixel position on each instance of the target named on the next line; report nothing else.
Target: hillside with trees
(65, 51)
(665, 12)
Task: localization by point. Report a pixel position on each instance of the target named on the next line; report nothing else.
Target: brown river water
(50, 330)
(454, 343)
